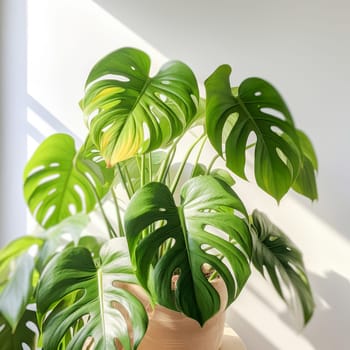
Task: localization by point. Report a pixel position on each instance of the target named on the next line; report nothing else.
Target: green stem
(198, 155)
(183, 163)
(164, 169)
(128, 179)
(111, 232)
(150, 171)
(125, 182)
(251, 145)
(119, 218)
(211, 164)
(142, 170)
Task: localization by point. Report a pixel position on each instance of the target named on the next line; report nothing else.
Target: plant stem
(164, 169)
(142, 170)
(124, 181)
(184, 162)
(111, 232)
(198, 155)
(150, 171)
(119, 218)
(211, 164)
(129, 182)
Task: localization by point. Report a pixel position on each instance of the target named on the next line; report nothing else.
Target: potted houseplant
(173, 224)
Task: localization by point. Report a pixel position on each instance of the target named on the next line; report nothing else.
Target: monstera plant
(157, 172)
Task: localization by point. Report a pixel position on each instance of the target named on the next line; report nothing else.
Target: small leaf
(60, 236)
(17, 247)
(18, 291)
(305, 183)
(25, 333)
(223, 175)
(255, 108)
(128, 112)
(58, 182)
(283, 262)
(99, 301)
(207, 204)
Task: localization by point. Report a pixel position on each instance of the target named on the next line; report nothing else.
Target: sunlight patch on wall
(65, 39)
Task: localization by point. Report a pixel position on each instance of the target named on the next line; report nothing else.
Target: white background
(302, 47)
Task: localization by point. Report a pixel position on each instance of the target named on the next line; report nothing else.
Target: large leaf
(206, 227)
(18, 291)
(14, 249)
(305, 183)
(25, 333)
(130, 112)
(59, 182)
(256, 107)
(275, 254)
(101, 302)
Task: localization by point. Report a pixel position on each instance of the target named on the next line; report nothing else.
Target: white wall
(13, 88)
(303, 48)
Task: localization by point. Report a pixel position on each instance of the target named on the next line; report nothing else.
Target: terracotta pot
(171, 330)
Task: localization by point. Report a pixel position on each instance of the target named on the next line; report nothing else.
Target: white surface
(301, 47)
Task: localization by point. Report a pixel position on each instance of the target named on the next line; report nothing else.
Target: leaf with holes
(205, 228)
(13, 250)
(58, 182)
(128, 112)
(25, 332)
(18, 291)
(105, 307)
(277, 255)
(255, 107)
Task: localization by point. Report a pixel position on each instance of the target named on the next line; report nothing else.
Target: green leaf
(18, 291)
(204, 228)
(129, 112)
(130, 169)
(58, 183)
(101, 303)
(305, 183)
(91, 157)
(223, 175)
(283, 262)
(15, 249)
(60, 236)
(25, 333)
(255, 108)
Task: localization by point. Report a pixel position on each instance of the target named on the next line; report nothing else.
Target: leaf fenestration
(129, 112)
(276, 254)
(256, 107)
(92, 281)
(209, 208)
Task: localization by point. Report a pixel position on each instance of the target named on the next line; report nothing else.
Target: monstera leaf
(59, 182)
(129, 112)
(25, 332)
(18, 291)
(204, 228)
(275, 254)
(13, 250)
(256, 107)
(102, 304)
(305, 183)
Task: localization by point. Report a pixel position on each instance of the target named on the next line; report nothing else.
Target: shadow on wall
(332, 314)
(251, 336)
(35, 131)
